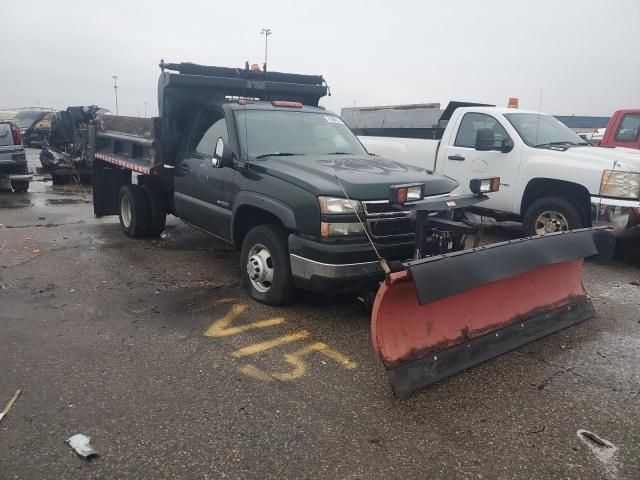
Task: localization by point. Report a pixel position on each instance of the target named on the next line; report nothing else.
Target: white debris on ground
(605, 451)
(81, 444)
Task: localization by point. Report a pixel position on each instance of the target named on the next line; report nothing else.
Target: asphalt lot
(152, 349)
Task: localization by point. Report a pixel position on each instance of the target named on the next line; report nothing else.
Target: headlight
(620, 184)
(335, 205)
(332, 230)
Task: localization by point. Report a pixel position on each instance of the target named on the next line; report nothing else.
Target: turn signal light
(283, 103)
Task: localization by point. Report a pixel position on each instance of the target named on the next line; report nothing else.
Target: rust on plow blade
(445, 314)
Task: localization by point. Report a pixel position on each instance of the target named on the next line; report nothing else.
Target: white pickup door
(459, 158)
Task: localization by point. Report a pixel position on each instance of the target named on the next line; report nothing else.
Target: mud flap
(107, 182)
(444, 314)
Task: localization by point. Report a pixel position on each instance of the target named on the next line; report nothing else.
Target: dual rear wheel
(19, 186)
(141, 211)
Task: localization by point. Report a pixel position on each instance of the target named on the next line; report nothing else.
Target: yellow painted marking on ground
(223, 328)
(296, 360)
(220, 301)
(269, 344)
(255, 372)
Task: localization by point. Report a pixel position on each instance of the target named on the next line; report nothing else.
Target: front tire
(550, 215)
(19, 186)
(133, 211)
(265, 265)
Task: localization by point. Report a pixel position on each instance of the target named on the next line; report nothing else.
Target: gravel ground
(133, 344)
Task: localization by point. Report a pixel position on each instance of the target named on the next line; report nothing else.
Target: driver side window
(210, 126)
(472, 122)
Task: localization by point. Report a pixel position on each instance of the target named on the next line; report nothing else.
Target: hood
(604, 157)
(364, 177)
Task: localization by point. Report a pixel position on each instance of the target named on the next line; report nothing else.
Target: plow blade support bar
(444, 314)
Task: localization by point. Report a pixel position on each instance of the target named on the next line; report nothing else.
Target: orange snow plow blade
(441, 315)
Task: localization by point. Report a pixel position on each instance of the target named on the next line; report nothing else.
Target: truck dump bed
(149, 146)
(418, 121)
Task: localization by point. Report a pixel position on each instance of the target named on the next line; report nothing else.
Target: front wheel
(550, 215)
(265, 265)
(19, 186)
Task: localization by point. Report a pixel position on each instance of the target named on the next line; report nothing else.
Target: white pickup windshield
(539, 130)
(265, 133)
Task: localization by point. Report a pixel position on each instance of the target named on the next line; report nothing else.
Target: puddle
(65, 201)
(14, 201)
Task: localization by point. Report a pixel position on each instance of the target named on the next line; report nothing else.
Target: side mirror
(222, 154)
(485, 140)
(506, 146)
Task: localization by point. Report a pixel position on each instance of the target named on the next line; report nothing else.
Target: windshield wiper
(554, 144)
(277, 154)
(339, 153)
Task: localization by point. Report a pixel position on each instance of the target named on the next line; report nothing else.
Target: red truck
(623, 130)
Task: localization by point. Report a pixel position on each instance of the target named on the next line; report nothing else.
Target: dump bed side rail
(127, 142)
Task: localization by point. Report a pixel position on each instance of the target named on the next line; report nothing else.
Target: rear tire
(265, 265)
(157, 211)
(19, 186)
(551, 214)
(133, 211)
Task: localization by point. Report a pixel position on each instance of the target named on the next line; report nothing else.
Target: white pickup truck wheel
(551, 214)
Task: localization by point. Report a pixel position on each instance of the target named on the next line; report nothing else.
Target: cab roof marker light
(284, 103)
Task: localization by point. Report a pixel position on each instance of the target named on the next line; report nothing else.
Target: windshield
(26, 119)
(538, 130)
(269, 132)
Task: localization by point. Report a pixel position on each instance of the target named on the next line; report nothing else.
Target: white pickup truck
(550, 179)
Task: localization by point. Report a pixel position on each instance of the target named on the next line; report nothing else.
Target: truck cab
(249, 157)
(550, 179)
(623, 130)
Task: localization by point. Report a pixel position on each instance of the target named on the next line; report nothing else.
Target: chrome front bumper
(306, 268)
(615, 213)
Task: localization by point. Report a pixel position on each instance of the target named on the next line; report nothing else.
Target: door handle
(184, 168)
(458, 158)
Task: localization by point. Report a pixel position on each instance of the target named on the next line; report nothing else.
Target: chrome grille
(387, 221)
(381, 207)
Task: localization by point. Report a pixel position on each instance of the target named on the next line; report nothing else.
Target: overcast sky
(583, 54)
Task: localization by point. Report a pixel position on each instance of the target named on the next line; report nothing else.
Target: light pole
(115, 90)
(145, 109)
(266, 32)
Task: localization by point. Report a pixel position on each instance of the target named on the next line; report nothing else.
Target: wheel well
(547, 187)
(247, 217)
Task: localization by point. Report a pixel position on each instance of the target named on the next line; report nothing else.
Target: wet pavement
(152, 349)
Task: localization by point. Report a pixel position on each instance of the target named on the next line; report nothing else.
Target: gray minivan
(13, 161)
